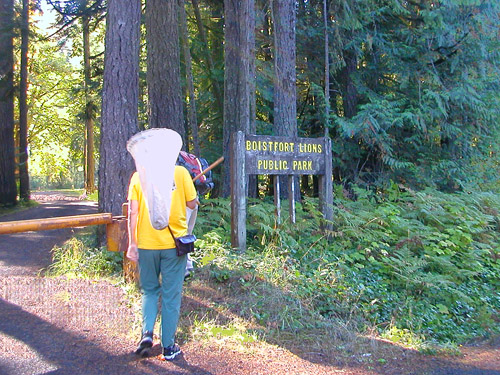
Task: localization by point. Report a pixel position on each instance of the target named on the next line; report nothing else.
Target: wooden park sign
(267, 155)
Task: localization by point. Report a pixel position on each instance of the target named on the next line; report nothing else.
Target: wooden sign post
(261, 155)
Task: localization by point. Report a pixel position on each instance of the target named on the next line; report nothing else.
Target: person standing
(154, 250)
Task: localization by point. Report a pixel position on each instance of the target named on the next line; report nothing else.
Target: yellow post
(116, 234)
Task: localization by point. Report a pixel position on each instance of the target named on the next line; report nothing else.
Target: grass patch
(81, 257)
(93, 197)
(244, 310)
(20, 206)
(420, 269)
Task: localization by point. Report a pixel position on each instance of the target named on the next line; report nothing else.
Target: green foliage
(421, 267)
(209, 330)
(81, 257)
(414, 90)
(20, 206)
(427, 260)
(55, 133)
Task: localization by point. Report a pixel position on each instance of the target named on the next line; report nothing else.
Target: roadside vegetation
(20, 206)
(421, 269)
(82, 257)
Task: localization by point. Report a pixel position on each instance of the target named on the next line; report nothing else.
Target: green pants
(152, 264)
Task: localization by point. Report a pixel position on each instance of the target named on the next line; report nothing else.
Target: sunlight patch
(18, 358)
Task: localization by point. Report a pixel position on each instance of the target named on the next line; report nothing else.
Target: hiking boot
(145, 345)
(170, 352)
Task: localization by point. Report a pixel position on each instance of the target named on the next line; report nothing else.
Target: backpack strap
(171, 232)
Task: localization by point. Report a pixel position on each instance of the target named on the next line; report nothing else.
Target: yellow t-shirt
(150, 238)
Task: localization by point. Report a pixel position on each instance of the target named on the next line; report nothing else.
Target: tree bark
(89, 110)
(285, 92)
(8, 190)
(119, 102)
(327, 69)
(236, 77)
(285, 88)
(252, 127)
(350, 94)
(24, 180)
(192, 118)
(250, 31)
(163, 73)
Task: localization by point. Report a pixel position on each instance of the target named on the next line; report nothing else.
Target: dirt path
(80, 327)
(27, 253)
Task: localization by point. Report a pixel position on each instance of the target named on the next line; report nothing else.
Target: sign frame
(291, 156)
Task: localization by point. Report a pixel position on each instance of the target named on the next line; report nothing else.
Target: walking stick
(210, 167)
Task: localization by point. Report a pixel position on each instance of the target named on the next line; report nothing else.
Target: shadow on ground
(50, 344)
(354, 354)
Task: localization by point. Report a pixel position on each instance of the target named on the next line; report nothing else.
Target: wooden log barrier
(116, 232)
(9, 227)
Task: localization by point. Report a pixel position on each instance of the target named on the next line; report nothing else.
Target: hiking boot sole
(171, 356)
(144, 352)
(144, 348)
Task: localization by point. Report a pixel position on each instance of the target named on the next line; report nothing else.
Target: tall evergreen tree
(24, 181)
(89, 108)
(237, 55)
(285, 89)
(408, 84)
(8, 190)
(208, 58)
(119, 102)
(163, 73)
(192, 117)
(252, 126)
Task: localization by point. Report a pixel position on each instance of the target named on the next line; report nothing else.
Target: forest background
(408, 91)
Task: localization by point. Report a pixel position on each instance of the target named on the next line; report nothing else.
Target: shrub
(81, 257)
(397, 261)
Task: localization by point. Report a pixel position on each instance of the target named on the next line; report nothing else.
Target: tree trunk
(350, 94)
(252, 128)
(89, 110)
(24, 180)
(119, 102)
(285, 91)
(210, 63)
(327, 69)
(192, 118)
(236, 77)
(250, 31)
(8, 190)
(163, 73)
